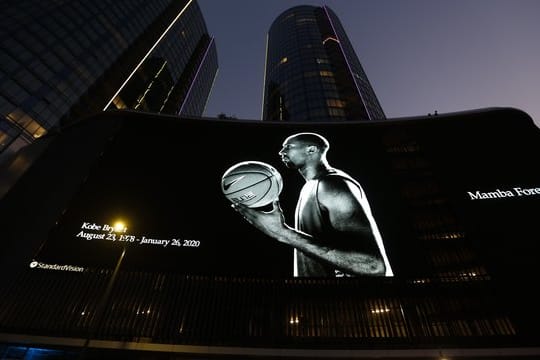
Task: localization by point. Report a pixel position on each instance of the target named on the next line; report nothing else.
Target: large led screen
(246, 198)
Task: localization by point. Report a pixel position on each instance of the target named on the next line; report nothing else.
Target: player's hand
(272, 223)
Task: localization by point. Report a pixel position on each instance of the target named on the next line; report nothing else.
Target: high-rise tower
(62, 60)
(312, 72)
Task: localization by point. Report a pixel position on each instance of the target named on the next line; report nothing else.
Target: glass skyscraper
(312, 72)
(63, 60)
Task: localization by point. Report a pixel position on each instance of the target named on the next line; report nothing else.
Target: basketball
(252, 183)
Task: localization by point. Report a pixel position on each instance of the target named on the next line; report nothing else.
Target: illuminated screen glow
(422, 182)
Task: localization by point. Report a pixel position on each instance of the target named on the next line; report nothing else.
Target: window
(326, 73)
(335, 103)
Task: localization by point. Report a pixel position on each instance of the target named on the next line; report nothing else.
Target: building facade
(312, 72)
(63, 60)
(463, 253)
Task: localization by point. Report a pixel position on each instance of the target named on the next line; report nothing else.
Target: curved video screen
(249, 198)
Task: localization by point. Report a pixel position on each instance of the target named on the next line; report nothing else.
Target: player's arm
(354, 248)
(349, 252)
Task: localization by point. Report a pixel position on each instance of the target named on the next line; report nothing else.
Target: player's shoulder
(336, 176)
(336, 180)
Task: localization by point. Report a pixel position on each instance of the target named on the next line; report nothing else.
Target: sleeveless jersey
(312, 219)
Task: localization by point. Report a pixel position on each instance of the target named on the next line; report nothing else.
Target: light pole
(118, 228)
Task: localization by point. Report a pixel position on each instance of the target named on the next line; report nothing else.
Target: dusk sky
(419, 55)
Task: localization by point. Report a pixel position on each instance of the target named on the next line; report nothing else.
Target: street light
(119, 227)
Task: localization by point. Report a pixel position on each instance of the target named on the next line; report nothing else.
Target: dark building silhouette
(62, 60)
(464, 267)
(312, 72)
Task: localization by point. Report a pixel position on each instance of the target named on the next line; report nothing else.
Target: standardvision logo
(40, 265)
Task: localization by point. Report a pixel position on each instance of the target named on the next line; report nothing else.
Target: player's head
(303, 148)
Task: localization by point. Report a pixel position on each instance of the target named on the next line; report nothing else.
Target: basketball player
(335, 233)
